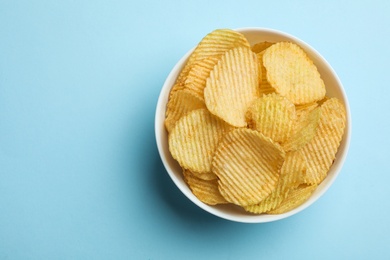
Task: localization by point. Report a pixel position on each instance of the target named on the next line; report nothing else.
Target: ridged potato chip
(194, 138)
(273, 116)
(292, 73)
(217, 43)
(291, 176)
(247, 165)
(320, 152)
(207, 176)
(232, 86)
(322, 101)
(264, 86)
(305, 108)
(198, 74)
(295, 198)
(261, 46)
(181, 102)
(174, 88)
(294, 170)
(304, 130)
(205, 190)
(183, 74)
(214, 44)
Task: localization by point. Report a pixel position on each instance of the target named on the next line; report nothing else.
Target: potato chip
(294, 199)
(214, 44)
(320, 152)
(205, 190)
(193, 139)
(322, 101)
(261, 46)
(305, 108)
(174, 88)
(294, 169)
(232, 86)
(304, 130)
(292, 73)
(180, 80)
(264, 86)
(273, 116)
(247, 164)
(207, 176)
(291, 175)
(217, 43)
(181, 102)
(198, 74)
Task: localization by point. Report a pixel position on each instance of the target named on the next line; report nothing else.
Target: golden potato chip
(294, 169)
(320, 152)
(292, 73)
(273, 116)
(264, 86)
(294, 199)
(193, 139)
(207, 176)
(198, 74)
(174, 88)
(205, 190)
(181, 102)
(305, 108)
(291, 175)
(304, 130)
(322, 101)
(261, 46)
(217, 43)
(213, 44)
(180, 80)
(232, 86)
(247, 164)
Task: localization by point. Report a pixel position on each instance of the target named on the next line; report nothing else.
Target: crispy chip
(207, 176)
(232, 86)
(194, 138)
(273, 116)
(174, 88)
(294, 199)
(305, 108)
(264, 86)
(183, 74)
(205, 190)
(214, 44)
(217, 43)
(322, 101)
(320, 152)
(304, 130)
(198, 74)
(294, 169)
(181, 102)
(291, 175)
(247, 164)
(293, 75)
(261, 46)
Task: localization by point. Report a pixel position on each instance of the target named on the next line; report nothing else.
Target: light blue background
(80, 175)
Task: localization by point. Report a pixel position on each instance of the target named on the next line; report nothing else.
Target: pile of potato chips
(251, 125)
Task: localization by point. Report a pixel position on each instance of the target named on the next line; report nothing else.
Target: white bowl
(334, 89)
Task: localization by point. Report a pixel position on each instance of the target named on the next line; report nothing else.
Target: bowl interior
(334, 89)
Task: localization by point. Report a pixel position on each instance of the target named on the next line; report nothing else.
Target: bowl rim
(252, 218)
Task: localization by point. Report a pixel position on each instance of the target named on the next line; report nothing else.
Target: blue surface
(80, 175)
